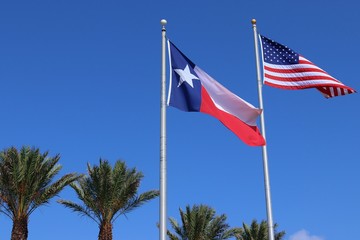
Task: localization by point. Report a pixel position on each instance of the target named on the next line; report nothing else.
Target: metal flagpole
(163, 214)
(265, 157)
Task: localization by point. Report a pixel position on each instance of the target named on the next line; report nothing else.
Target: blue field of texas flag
(193, 90)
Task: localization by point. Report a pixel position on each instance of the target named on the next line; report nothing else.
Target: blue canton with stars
(276, 53)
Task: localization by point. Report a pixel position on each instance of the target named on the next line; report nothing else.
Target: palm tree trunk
(105, 231)
(20, 229)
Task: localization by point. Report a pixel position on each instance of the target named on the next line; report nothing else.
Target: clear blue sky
(82, 79)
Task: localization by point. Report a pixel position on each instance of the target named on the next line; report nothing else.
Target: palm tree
(200, 223)
(257, 232)
(26, 183)
(107, 193)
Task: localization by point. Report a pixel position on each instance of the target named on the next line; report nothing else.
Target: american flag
(285, 68)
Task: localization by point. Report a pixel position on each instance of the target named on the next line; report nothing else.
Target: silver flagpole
(265, 157)
(163, 214)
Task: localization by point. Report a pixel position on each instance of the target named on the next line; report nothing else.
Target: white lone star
(186, 76)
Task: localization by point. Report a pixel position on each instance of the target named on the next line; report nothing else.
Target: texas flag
(193, 90)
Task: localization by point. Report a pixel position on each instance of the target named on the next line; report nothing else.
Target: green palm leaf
(257, 232)
(26, 183)
(200, 223)
(108, 192)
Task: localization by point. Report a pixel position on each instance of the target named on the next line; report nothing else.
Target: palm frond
(108, 192)
(52, 190)
(256, 231)
(26, 177)
(135, 202)
(79, 209)
(200, 222)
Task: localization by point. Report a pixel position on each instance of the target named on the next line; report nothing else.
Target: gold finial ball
(253, 21)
